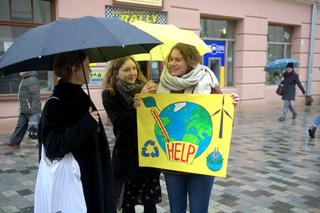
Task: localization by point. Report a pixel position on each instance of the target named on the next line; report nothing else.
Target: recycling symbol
(154, 153)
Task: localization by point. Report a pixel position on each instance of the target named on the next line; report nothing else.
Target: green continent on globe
(198, 126)
(187, 122)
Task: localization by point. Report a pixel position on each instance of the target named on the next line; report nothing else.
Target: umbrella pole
(84, 75)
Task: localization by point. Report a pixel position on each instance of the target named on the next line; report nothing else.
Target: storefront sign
(97, 74)
(148, 3)
(131, 15)
(215, 59)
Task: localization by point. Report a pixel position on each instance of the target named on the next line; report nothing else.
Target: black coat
(125, 152)
(66, 126)
(289, 85)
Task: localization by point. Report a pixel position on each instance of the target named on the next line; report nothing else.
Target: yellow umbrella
(169, 35)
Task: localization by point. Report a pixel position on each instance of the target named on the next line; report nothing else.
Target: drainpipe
(311, 48)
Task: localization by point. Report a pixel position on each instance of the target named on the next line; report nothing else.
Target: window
(21, 10)
(33, 11)
(279, 46)
(4, 9)
(42, 11)
(210, 28)
(155, 71)
(16, 18)
(220, 33)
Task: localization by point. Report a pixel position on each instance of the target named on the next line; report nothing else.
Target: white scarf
(200, 80)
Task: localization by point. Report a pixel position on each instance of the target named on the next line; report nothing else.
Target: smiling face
(128, 72)
(177, 64)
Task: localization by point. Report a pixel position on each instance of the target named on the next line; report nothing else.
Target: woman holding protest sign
(183, 74)
(134, 185)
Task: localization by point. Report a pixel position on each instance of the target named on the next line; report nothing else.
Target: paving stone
(273, 167)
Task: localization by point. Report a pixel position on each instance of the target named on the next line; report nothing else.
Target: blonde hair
(63, 63)
(110, 78)
(189, 53)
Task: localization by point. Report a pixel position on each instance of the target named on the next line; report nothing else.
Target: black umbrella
(102, 39)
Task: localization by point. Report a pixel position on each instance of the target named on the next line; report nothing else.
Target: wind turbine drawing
(223, 111)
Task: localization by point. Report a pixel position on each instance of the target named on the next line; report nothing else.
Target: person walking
(289, 81)
(134, 185)
(70, 123)
(29, 111)
(184, 74)
(313, 128)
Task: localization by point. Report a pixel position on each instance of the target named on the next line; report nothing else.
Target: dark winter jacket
(29, 94)
(125, 152)
(67, 126)
(289, 85)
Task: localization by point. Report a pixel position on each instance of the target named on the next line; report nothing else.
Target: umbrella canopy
(169, 35)
(280, 64)
(101, 38)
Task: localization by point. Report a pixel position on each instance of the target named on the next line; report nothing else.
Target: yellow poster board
(185, 132)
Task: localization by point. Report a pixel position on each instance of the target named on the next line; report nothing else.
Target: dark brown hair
(189, 53)
(63, 63)
(110, 78)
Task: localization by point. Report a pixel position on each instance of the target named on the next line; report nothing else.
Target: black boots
(312, 132)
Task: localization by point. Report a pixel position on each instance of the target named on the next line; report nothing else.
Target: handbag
(58, 185)
(279, 90)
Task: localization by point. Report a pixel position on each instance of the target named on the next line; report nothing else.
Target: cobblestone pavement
(273, 167)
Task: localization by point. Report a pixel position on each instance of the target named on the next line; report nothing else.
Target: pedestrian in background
(183, 74)
(314, 126)
(134, 185)
(30, 109)
(289, 81)
(70, 123)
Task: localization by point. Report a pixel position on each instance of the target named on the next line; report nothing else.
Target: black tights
(151, 208)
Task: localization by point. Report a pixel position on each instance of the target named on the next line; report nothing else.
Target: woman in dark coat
(134, 185)
(70, 123)
(289, 81)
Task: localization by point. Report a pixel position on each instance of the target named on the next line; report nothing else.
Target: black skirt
(142, 192)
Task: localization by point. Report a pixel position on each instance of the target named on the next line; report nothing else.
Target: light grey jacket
(29, 94)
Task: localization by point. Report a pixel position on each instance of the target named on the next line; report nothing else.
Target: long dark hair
(63, 63)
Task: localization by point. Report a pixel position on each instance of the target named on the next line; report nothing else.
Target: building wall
(252, 18)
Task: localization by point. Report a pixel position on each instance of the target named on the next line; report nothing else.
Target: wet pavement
(273, 167)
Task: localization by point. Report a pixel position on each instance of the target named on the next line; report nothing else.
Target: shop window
(42, 11)
(21, 10)
(4, 10)
(33, 11)
(210, 28)
(279, 46)
(155, 71)
(219, 34)
(16, 18)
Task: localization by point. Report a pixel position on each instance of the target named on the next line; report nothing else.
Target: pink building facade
(244, 36)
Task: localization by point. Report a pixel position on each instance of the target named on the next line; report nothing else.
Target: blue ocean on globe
(187, 122)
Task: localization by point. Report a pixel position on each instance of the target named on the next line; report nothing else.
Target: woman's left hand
(137, 101)
(236, 98)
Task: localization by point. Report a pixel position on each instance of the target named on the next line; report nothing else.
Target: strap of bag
(43, 153)
(216, 90)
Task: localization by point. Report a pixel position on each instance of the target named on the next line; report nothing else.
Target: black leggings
(151, 208)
